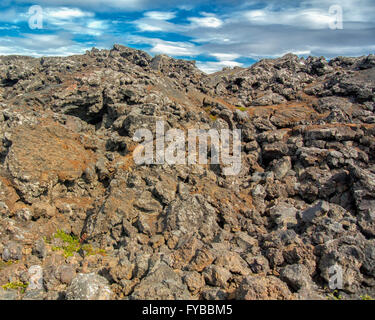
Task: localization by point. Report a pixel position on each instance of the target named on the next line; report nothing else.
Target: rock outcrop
(80, 220)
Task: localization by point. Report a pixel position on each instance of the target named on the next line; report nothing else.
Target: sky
(217, 34)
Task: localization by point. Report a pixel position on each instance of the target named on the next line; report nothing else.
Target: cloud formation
(215, 33)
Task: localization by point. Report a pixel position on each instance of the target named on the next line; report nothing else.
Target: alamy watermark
(36, 17)
(335, 277)
(198, 147)
(336, 12)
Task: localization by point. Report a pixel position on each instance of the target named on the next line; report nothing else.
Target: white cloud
(40, 41)
(65, 13)
(41, 45)
(156, 21)
(207, 21)
(159, 15)
(116, 5)
(9, 27)
(142, 26)
(186, 7)
(208, 37)
(225, 56)
(308, 18)
(214, 66)
(171, 48)
(224, 60)
(174, 49)
(283, 26)
(74, 20)
(97, 24)
(97, 5)
(150, 25)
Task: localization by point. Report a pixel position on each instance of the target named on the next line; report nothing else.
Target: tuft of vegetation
(90, 251)
(17, 285)
(242, 109)
(335, 295)
(208, 110)
(72, 244)
(366, 297)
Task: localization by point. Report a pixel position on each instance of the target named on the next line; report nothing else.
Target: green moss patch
(71, 245)
(17, 285)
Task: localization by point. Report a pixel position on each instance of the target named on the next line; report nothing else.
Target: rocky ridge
(79, 220)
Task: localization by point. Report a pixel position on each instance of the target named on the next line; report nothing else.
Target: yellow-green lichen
(90, 251)
(335, 295)
(241, 108)
(72, 244)
(16, 285)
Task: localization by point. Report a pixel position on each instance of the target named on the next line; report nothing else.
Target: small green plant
(241, 109)
(16, 286)
(335, 295)
(90, 251)
(72, 244)
(366, 297)
(46, 240)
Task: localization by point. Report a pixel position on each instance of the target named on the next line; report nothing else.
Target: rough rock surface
(79, 220)
(89, 287)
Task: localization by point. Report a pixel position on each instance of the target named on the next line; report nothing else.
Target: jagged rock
(346, 253)
(12, 251)
(263, 288)
(67, 176)
(319, 66)
(315, 211)
(217, 276)
(89, 287)
(194, 281)
(363, 192)
(34, 168)
(39, 249)
(233, 262)
(66, 274)
(369, 260)
(162, 283)
(284, 215)
(296, 276)
(192, 215)
(214, 294)
(258, 264)
(281, 167)
(269, 99)
(202, 259)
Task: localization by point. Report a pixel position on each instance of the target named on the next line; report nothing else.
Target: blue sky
(214, 33)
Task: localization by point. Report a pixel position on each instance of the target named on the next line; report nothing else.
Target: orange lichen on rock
(44, 152)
